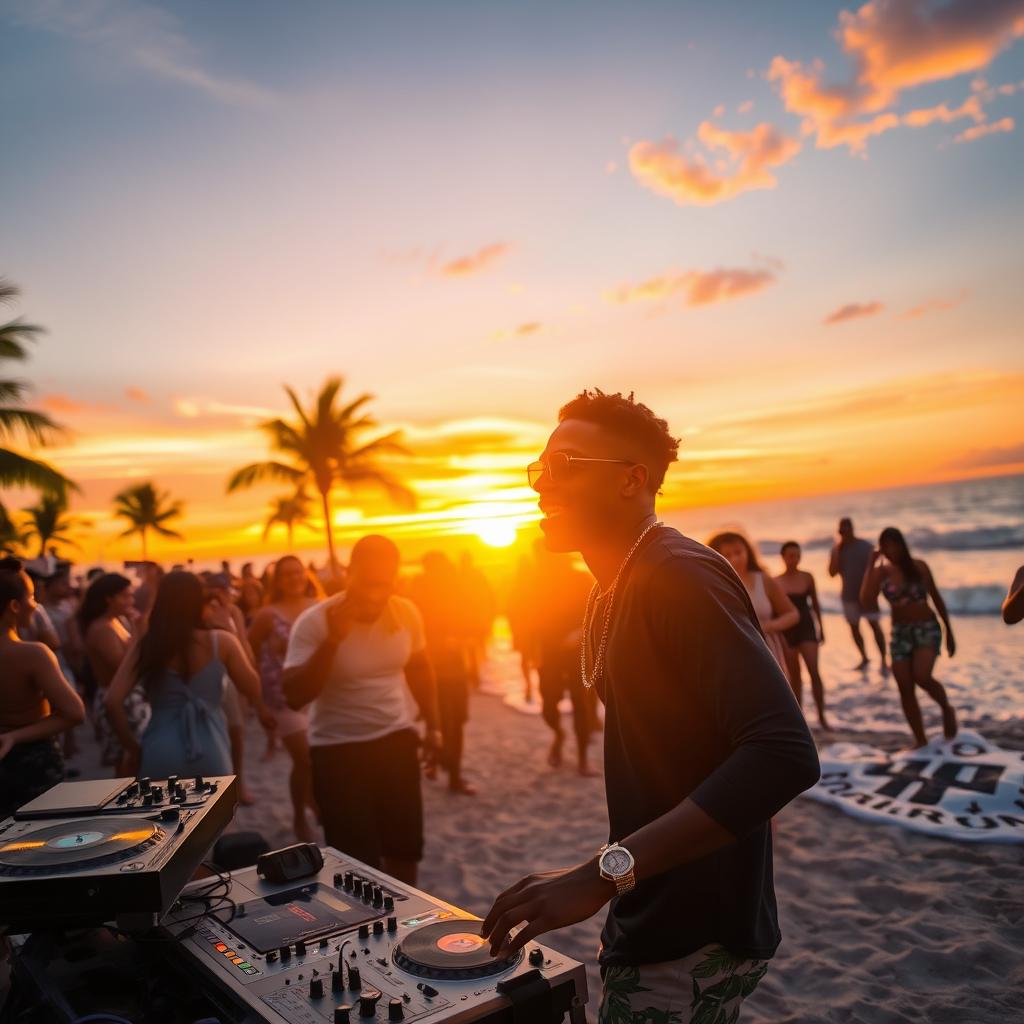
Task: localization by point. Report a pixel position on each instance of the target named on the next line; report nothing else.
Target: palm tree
(48, 522)
(16, 469)
(147, 509)
(325, 448)
(289, 511)
(12, 536)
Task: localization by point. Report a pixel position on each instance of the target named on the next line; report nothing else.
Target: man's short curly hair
(631, 420)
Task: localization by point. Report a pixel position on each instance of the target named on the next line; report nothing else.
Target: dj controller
(85, 853)
(351, 945)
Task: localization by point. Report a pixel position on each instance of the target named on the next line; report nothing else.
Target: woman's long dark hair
(719, 540)
(177, 613)
(904, 561)
(96, 599)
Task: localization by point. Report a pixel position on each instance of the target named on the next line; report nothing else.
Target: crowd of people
(364, 674)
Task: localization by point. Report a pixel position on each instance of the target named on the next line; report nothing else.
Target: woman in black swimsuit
(803, 639)
(916, 635)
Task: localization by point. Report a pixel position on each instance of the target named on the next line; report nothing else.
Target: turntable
(85, 853)
(352, 945)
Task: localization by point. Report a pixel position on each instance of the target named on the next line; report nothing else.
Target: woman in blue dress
(181, 665)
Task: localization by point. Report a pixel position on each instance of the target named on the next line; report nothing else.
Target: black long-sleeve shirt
(697, 707)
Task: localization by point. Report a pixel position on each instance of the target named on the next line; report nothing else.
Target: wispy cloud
(932, 306)
(695, 287)
(142, 35)
(896, 45)
(979, 131)
(475, 262)
(736, 162)
(136, 395)
(853, 311)
(983, 458)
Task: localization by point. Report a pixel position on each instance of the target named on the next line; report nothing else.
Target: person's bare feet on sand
(245, 798)
(555, 753)
(586, 771)
(862, 666)
(823, 722)
(949, 725)
(462, 788)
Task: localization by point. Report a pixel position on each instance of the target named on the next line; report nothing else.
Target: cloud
(695, 287)
(981, 458)
(895, 45)
(136, 395)
(745, 107)
(475, 262)
(529, 328)
(932, 306)
(749, 159)
(62, 404)
(143, 35)
(979, 131)
(853, 311)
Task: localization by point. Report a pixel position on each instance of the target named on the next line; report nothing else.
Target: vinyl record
(76, 845)
(450, 950)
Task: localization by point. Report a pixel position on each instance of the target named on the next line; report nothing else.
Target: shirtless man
(36, 702)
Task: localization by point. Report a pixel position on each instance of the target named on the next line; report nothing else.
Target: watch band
(623, 883)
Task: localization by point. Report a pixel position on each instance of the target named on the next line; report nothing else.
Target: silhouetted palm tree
(47, 521)
(290, 511)
(147, 509)
(17, 470)
(12, 536)
(325, 448)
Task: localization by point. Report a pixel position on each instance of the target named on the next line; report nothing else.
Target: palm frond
(8, 291)
(17, 470)
(389, 444)
(364, 476)
(12, 390)
(13, 336)
(166, 532)
(39, 428)
(256, 473)
(297, 406)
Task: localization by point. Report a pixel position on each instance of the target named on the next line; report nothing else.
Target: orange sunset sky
(793, 230)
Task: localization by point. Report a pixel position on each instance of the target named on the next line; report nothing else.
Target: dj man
(360, 658)
(704, 741)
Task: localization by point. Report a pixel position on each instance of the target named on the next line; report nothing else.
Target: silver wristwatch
(616, 864)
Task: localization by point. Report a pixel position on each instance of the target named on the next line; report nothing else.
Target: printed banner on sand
(965, 788)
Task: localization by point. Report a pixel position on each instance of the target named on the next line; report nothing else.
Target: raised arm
(259, 630)
(833, 561)
(311, 650)
(871, 585)
(784, 613)
(66, 707)
(419, 674)
(1013, 606)
(816, 606)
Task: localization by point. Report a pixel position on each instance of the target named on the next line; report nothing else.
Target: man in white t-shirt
(359, 659)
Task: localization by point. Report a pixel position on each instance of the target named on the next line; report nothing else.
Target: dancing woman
(907, 584)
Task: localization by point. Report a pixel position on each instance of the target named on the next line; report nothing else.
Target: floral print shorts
(706, 987)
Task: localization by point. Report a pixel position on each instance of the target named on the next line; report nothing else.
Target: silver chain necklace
(589, 614)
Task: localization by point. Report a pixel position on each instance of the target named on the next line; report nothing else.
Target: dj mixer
(349, 944)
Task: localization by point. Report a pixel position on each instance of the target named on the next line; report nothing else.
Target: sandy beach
(880, 925)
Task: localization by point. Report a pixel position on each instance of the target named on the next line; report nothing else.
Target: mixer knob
(349, 880)
(172, 781)
(368, 1002)
(170, 814)
(199, 783)
(357, 888)
(144, 784)
(378, 927)
(271, 955)
(158, 793)
(536, 957)
(316, 988)
(339, 880)
(392, 924)
(286, 952)
(147, 800)
(364, 931)
(389, 903)
(367, 891)
(378, 896)
(395, 1010)
(343, 1014)
(337, 981)
(355, 982)
(300, 948)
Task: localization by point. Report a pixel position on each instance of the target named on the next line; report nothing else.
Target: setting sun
(499, 533)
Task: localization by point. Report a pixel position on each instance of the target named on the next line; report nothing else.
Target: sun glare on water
(496, 534)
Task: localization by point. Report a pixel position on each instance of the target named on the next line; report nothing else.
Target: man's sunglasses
(560, 467)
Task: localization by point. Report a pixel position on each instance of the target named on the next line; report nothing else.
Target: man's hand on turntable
(545, 901)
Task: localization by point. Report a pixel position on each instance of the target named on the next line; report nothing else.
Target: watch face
(616, 862)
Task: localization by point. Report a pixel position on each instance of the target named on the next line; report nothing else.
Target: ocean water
(971, 533)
